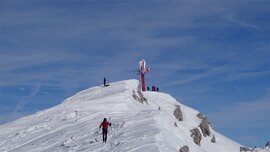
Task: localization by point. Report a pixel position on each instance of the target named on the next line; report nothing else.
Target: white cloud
(249, 114)
(235, 20)
(237, 67)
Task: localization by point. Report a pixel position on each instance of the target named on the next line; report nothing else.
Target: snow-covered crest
(140, 122)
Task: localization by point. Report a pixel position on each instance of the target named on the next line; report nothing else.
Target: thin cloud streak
(224, 70)
(254, 114)
(233, 19)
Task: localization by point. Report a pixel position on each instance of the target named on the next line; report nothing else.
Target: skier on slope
(105, 124)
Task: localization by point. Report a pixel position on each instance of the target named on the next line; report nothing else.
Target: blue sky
(211, 55)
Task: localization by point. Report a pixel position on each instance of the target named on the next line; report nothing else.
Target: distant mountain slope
(140, 122)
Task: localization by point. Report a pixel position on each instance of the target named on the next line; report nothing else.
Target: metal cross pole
(143, 70)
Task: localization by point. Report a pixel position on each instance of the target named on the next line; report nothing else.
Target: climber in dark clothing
(153, 88)
(105, 82)
(105, 124)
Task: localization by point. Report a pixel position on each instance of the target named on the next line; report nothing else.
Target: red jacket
(105, 124)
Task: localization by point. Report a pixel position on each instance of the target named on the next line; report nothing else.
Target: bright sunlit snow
(74, 125)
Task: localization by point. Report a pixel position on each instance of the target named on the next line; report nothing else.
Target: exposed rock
(267, 144)
(200, 115)
(175, 124)
(184, 149)
(142, 98)
(123, 122)
(76, 113)
(205, 128)
(135, 96)
(139, 98)
(213, 140)
(244, 149)
(203, 117)
(196, 135)
(178, 113)
(141, 95)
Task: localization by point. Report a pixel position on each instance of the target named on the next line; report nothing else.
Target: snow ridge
(73, 125)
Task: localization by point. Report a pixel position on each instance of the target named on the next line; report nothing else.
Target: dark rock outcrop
(245, 149)
(205, 128)
(213, 140)
(139, 98)
(203, 117)
(135, 96)
(184, 149)
(178, 113)
(196, 135)
(200, 115)
(267, 144)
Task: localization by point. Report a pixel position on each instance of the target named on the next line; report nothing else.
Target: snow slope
(73, 125)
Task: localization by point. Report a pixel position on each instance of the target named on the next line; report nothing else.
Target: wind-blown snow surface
(74, 125)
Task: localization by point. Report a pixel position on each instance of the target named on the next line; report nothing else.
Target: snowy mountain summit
(141, 122)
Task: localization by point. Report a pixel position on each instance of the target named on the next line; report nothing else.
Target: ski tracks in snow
(129, 132)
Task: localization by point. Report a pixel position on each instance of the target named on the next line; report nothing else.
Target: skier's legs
(104, 133)
(103, 136)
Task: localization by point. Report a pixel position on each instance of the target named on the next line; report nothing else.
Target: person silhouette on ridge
(105, 82)
(153, 88)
